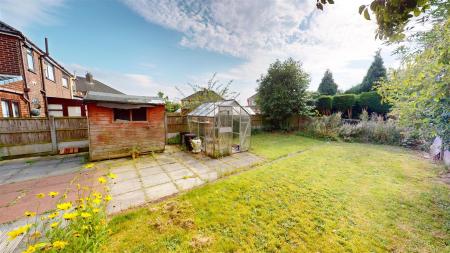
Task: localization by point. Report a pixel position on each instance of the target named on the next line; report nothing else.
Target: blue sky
(143, 46)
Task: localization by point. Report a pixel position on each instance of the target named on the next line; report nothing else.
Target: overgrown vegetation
(343, 197)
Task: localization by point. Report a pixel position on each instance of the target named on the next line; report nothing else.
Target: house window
(74, 111)
(50, 71)
(55, 110)
(30, 60)
(10, 109)
(65, 82)
(130, 115)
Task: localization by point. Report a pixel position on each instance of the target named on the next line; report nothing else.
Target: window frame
(29, 53)
(47, 66)
(67, 82)
(130, 115)
(9, 103)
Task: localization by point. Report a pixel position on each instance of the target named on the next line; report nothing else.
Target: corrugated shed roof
(5, 79)
(95, 96)
(84, 86)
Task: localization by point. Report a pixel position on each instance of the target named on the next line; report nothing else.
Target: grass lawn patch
(333, 197)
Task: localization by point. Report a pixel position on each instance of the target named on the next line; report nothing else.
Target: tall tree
(282, 92)
(375, 73)
(327, 86)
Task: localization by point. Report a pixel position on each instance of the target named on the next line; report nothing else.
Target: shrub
(326, 127)
(324, 104)
(344, 103)
(174, 140)
(74, 226)
(371, 101)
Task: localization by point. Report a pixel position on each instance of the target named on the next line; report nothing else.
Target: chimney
(89, 77)
(46, 46)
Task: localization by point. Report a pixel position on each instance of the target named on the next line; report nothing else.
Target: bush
(174, 140)
(371, 101)
(373, 130)
(344, 103)
(326, 127)
(325, 104)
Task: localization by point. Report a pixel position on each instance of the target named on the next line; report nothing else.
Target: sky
(141, 47)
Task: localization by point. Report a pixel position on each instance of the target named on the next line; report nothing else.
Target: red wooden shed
(120, 125)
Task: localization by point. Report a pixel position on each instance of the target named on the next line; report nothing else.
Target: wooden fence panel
(22, 131)
(71, 128)
(176, 123)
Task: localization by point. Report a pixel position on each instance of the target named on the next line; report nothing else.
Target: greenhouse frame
(224, 127)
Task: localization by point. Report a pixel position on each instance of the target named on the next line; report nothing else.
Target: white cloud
(22, 13)
(260, 31)
(128, 83)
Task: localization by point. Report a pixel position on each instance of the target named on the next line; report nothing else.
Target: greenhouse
(224, 127)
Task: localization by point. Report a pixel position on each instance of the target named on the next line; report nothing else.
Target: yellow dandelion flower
(40, 195)
(102, 180)
(76, 235)
(36, 234)
(97, 201)
(18, 231)
(80, 207)
(54, 224)
(70, 216)
(30, 214)
(97, 195)
(65, 196)
(30, 249)
(59, 244)
(89, 166)
(85, 215)
(112, 175)
(64, 206)
(53, 194)
(95, 210)
(108, 198)
(53, 215)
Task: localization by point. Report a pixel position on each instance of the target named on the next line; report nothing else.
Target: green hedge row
(352, 104)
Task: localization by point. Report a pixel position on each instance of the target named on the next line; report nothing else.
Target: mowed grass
(333, 197)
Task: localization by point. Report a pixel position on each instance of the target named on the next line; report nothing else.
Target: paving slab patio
(159, 175)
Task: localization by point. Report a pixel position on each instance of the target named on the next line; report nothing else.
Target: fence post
(51, 121)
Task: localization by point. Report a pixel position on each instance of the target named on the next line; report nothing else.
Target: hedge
(371, 101)
(344, 103)
(325, 104)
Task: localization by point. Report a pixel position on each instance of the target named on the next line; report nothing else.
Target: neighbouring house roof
(210, 109)
(7, 29)
(202, 93)
(5, 79)
(249, 109)
(94, 96)
(83, 85)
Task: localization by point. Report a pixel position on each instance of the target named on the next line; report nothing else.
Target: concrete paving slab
(146, 164)
(173, 167)
(126, 200)
(180, 174)
(162, 190)
(150, 171)
(126, 175)
(188, 183)
(122, 168)
(155, 179)
(125, 186)
(209, 176)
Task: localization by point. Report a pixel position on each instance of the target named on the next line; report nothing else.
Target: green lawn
(332, 197)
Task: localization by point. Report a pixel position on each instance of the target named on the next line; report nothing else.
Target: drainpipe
(44, 91)
(27, 90)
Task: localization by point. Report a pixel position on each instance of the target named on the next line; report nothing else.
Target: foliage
(375, 73)
(420, 89)
(393, 16)
(324, 127)
(170, 106)
(213, 91)
(354, 90)
(174, 140)
(282, 93)
(338, 197)
(372, 102)
(375, 130)
(344, 103)
(74, 226)
(325, 104)
(327, 86)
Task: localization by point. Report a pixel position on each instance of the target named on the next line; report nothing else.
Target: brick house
(120, 125)
(29, 76)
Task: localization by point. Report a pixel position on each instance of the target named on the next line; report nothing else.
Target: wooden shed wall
(109, 139)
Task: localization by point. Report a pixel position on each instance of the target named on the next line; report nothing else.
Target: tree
(375, 73)
(327, 86)
(420, 89)
(170, 105)
(344, 103)
(282, 92)
(371, 101)
(324, 104)
(393, 16)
